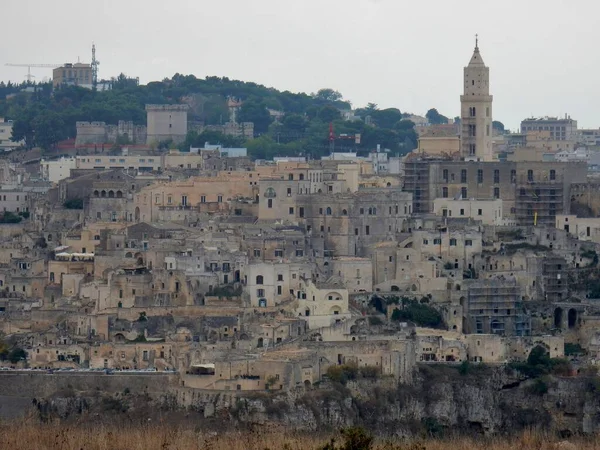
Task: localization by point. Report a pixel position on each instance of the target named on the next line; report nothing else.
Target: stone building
(166, 122)
(322, 304)
(97, 133)
(531, 192)
(350, 224)
(494, 306)
(487, 211)
(476, 111)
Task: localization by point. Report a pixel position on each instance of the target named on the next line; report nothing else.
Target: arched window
(328, 211)
(96, 194)
(103, 194)
(259, 279)
(301, 176)
(111, 194)
(344, 212)
(119, 194)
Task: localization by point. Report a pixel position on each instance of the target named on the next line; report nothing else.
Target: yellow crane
(29, 66)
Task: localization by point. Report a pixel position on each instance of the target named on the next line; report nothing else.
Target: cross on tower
(476, 41)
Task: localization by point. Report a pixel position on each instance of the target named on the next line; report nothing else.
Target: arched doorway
(572, 318)
(395, 289)
(260, 343)
(558, 317)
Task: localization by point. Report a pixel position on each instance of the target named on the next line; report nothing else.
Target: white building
(323, 304)
(57, 170)
(5, 136)
(140, 163)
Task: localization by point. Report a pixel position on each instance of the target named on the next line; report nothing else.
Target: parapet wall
(44, 385)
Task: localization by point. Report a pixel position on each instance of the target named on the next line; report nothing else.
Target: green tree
(497, 125)
(329, 113)
(328, 95)
(435, 118)
(386, 118)
(256, 112)
(49, 129)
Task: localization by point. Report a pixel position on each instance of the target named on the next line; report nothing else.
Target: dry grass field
(25, 436)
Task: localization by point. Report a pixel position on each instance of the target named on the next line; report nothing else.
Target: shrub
(539, 387)
(465, 367)
(369, 372)
(573, 349)
(374, 320)
(74, 203)
(343, 373)
(539, 363)
(9, 217)
(421, 314)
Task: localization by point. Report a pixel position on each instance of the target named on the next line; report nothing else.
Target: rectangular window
(299, 252)
(479, 176)
(184, 200)
(260, 292)
(437, 241)
(256, 253)
(279, 290)
(278, 253)
(468, 243)
(463, 192)
(445, 175)
(145, 355)
(480, 212)
(530, 175)
(169, 200)
(367, 230)
(291, 210)
(496, 176)
(289, 192)
(496, 192)
(220, 199)
(356, 232)
(553, 175)
(203, 199)
(462, 212)
(445, 192)
(463, 176)
(425, 242)
(453, 242)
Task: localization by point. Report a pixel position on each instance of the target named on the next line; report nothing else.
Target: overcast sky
(542, 54)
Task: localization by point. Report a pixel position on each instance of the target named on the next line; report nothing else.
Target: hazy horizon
(393, 53)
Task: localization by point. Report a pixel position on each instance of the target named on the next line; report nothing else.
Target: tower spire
(476, 42)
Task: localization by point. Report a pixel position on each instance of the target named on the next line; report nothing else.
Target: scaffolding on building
(495, 307)
(538, 201)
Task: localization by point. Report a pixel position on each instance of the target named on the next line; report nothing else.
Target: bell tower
(476, 110)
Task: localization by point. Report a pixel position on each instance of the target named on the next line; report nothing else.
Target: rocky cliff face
(485, 400)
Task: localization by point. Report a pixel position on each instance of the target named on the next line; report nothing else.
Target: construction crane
(29, 66)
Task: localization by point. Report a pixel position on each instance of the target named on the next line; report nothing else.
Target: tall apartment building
(78, 74)
(476, 110)
(560, 129)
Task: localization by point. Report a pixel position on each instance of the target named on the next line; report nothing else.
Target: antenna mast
(95, 64)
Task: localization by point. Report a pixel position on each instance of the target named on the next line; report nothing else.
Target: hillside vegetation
(44, 117)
